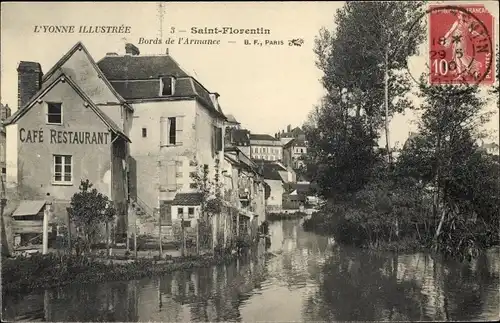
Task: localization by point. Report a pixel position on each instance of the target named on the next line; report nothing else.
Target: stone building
(70, 126)
(177, 125)
(265, 147)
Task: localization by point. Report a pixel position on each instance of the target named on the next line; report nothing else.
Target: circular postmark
(460, 46)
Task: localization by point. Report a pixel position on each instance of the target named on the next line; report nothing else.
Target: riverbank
(28, 273)
(271, 217)
(320, 224)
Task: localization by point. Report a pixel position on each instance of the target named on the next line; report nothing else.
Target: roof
(301, 188)
(271, 174)
(289, 144)
(29, 207)
(188, 199)
(240, 137)
(231, 119)
(255, 136)
(271, 165)
(242, 160)
(48, 86)
(137, 77)
(79, 46)
(140, 67)
(293, 133)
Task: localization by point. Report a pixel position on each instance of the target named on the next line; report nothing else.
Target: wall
(146, 153)
(275, 200)
(176, 216)
(81, 70)
(30, 164)
(155, 170)
(267, 152)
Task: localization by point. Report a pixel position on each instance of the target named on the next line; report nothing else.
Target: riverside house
(70, 125)
(177, 125)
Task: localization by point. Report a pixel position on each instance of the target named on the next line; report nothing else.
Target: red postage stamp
(461, 48)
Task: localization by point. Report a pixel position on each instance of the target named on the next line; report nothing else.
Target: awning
(29, 208)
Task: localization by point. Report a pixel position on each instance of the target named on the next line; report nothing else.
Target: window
(301, 150)
(144, 132)
(191, 212)
(62, 169)
(192, 185)
(54, 113)
(171, 131)
(216, 139)
(180, 212)
(167, 86)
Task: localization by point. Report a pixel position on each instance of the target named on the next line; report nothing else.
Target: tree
(365, 56)
(89, 210)
(446, 160)
(211, 194)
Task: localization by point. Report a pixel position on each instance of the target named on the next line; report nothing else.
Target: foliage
(89, 210)
(343, 130)
(443, 191)
(211, 189)
(26, 273)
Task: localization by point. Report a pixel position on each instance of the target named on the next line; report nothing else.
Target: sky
(264, 87)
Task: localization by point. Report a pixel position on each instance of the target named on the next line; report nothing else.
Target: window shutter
(171, 176)
(219, 139)
(163, 176)
(163, 131)
(213, 140)
(179, 130)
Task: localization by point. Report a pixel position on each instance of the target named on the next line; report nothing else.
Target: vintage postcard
(302, 161)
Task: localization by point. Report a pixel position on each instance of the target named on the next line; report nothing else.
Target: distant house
(240, 138)
(490, 148)
(186, 207)
(265, 147)
(287, 174)
(232, 122)
(302, 195)
(275, 182)
(293, 151)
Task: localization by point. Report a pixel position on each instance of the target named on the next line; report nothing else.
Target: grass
(24, 274)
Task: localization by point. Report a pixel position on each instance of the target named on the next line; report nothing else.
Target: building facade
(63, 133)
(265, 147)
(5, 113)
(293, 152)
(177, 126)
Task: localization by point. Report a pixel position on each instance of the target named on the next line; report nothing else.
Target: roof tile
(187, 199)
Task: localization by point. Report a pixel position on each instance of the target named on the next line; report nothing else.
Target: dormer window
(167, 86)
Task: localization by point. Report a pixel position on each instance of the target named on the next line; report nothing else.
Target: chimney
(5, 111)
(289, 128)
(29, 81)
(131, 49)
(214, 97)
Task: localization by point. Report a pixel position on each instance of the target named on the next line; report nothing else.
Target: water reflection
(307, 278)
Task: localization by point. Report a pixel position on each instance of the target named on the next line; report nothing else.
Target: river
(308, 278)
